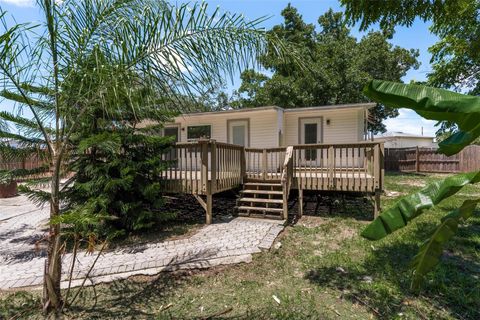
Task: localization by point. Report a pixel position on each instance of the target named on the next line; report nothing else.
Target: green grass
(323, 269)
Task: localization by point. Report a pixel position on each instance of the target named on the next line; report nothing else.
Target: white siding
(272, 127)
(263, 125)
(346, 125)
(281, 126)
(361, 124)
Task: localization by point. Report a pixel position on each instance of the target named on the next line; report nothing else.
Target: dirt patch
(410, 182)
(311, 221)
(393, 194)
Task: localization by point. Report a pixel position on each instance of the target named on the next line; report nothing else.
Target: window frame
(199, 125)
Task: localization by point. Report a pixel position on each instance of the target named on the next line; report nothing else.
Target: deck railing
(264, 164)
(206, 166)
(203, 167)
(342, 167)
(228, 165)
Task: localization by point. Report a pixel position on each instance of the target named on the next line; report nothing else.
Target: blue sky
(417, 37)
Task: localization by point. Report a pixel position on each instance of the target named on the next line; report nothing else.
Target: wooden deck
(205, 167)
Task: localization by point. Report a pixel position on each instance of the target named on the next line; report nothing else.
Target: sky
(417, 36)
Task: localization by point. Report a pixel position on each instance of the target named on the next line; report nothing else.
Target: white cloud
(19, 3)
(410, 122)
(171, 59)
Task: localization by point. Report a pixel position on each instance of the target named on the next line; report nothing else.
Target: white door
(238, 132)
(311, 133)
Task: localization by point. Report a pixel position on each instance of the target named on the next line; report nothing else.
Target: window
(199, 132)
(171, 131)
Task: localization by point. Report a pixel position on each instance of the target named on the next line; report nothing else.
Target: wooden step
(261, 200)
(262, 191)
(248, 208)
(263, 184)
(263, 216)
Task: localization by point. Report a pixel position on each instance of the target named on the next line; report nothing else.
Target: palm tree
(172, 51)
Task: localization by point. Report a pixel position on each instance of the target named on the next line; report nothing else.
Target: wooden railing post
(213, 166)
(331, 163)
(286, 179)
(204, 160)
(376, 165)
(381, 160)
(378, 173)
(243, 165)
(264, 164)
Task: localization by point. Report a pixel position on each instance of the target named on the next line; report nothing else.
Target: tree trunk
(52, 300)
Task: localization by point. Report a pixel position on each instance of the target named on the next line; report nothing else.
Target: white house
(405, 140)
(271, 150)
(269, 127)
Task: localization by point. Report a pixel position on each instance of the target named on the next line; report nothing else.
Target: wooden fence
(29, 162)
(429, 160)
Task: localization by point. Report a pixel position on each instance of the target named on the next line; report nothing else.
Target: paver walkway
(22, 225)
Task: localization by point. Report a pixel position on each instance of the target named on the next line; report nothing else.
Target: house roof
(327, 107)
(399, 134)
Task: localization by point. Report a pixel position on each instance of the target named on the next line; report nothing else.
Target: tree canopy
(337, 66)
(455, 57)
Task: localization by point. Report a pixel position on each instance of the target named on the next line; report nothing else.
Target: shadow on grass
(139, 296)
(128, 299)
(382, 280)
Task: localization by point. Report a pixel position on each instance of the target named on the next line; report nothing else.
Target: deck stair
(261, 199)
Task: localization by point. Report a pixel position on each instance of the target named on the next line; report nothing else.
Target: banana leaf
(430, 252)
(412, 205)
(434, 104)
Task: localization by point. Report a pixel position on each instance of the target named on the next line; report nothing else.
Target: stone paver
(22, 225)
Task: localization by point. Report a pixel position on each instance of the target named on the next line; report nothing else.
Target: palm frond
(15, 97)
(38, 197)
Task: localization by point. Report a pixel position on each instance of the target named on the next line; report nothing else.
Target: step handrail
(287, 178)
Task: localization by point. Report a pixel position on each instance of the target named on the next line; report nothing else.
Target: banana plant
(441, 105)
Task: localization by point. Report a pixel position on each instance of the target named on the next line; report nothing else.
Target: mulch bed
(323, 204)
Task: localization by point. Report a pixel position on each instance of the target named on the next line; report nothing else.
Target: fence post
(417, 161)
(460, 164)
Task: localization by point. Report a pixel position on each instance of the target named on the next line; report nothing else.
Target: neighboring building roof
(397, 134)
(11, 142)
(328, 107)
